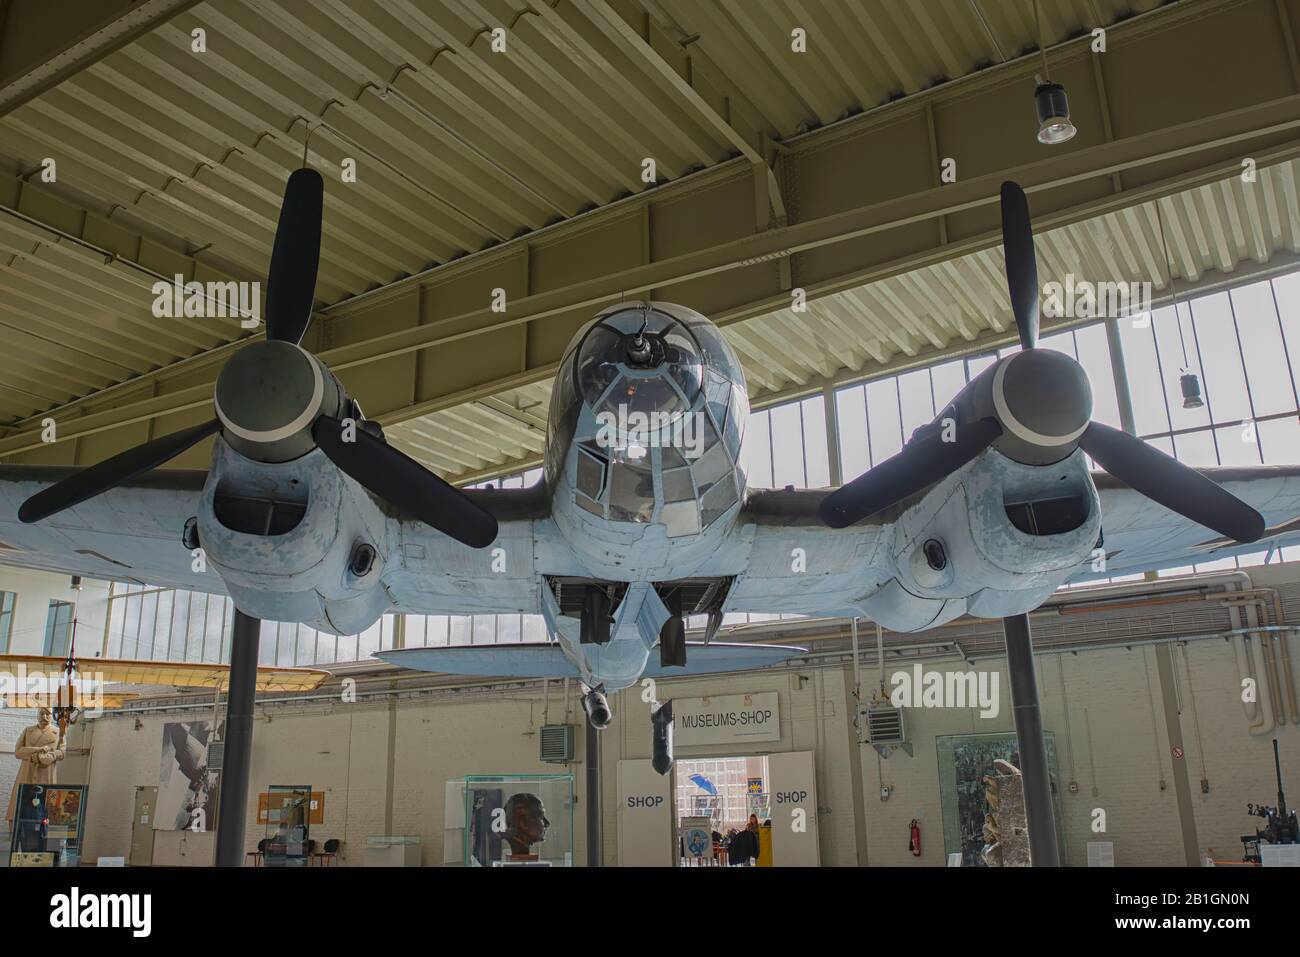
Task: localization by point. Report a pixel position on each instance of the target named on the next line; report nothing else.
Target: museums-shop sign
(726, 719)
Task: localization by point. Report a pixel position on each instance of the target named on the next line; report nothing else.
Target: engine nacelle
(994, 539)
(295, 541)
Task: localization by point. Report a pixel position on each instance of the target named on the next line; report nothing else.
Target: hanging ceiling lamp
(1050, 100)
(1053, 108)
(1188, 381)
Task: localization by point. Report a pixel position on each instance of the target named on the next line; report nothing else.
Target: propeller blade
(1022, 265)
(1163, 479)
(291, 281)
(406, 484)
(921, 463)
(122, 467)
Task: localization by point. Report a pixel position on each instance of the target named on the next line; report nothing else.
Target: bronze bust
(526, 825)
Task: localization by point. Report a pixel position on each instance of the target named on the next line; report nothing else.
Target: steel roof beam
(862, 203)
(39, 50)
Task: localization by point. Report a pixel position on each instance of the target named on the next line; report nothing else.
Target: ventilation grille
(556, 743)
(884, 726)
(216, 754)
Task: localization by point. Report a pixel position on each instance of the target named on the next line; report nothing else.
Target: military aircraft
(643, 517)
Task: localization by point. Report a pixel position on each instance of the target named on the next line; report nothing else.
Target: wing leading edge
(1139, 535)
(133, 533)
(547, 660)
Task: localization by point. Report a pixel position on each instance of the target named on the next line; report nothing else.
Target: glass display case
(49, 824)
(517, 820)
(393, 850)
(288, 826)
(964, 760)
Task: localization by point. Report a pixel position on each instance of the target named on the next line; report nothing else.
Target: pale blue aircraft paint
(633, 509)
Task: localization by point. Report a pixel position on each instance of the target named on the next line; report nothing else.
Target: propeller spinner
(275, 402)
(1035, 407)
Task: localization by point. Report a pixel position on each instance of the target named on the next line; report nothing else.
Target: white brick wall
(343, 750)
(1108, 728)
(1116, 748)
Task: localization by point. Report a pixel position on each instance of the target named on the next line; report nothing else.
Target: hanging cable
(1173, 289)
(1042, 46)
(1189, 382)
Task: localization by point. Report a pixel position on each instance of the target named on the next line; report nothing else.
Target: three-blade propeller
(1168, 481)
(380, 468)
(1036, 407)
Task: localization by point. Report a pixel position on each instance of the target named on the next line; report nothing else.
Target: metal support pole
(238, 740)
(1178, 762)
(1119, 372)
(1029, 737)
(594, 844)
(857, 682)
(834, 460)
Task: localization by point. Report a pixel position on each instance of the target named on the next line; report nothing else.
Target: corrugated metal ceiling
(1219, 227)
(1216, 227)
(878, 50)
(458, 149)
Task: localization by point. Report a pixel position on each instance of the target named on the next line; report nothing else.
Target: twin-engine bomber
(643, 518)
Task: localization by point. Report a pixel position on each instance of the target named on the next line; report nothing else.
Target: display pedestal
(392, 851)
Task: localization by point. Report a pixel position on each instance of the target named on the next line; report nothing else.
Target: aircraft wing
(33, 700)
(133, 533)
(130, 533)
(547, 660)
(179, 674)
(1139, 535)
(721, 656)
(795, 564)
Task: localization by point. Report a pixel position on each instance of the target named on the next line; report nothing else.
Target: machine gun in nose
(1282, 827)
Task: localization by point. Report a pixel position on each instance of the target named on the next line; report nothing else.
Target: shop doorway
(725, 791)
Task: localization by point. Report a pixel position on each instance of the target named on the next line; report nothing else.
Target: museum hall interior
(650, 434)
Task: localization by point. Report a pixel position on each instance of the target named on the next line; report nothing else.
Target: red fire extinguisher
(914, 841)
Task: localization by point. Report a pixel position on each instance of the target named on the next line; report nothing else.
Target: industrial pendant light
(1053, 108)
(1191, 386)
(1050, 100)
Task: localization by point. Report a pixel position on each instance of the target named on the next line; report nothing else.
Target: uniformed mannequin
(40, 749)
